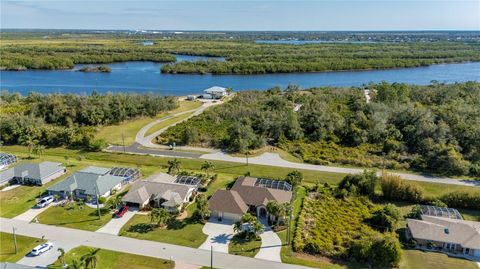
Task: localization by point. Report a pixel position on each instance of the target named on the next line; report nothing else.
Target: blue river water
(146, 77)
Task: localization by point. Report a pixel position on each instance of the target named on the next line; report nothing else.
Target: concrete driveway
(30, 214)
(114, 225)
(219, 235)
(271, 244)
(48, 257)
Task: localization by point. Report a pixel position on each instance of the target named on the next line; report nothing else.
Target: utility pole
(289, 223)
(211, 257)
(15, 240)
(246, 156)
(123, 139)
(98, 198)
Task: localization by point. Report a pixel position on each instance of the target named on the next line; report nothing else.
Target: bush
(394, 188)
(102, 200)
(462, 199)
(363, 184)
(377, 250)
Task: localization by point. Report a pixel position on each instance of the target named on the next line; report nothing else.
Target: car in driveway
(45, 201)
(38, 250)
(121, 211)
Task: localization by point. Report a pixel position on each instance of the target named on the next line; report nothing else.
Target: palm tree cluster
(160, 216)
(276, 211)
(248, 226)
(87, 261)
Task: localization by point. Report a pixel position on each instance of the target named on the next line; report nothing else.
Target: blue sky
(243, 15)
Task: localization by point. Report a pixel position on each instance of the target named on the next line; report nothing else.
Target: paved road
(271, 244)
(219, 235)
(273, 159)
(136, 149)
(139, 247)
(48, 257)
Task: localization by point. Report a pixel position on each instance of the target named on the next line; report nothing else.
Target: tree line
(69, 119)
(432, 128)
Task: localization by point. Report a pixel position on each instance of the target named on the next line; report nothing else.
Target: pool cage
(7, 159)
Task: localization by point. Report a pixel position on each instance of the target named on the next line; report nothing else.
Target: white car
(41, 249)
(45, 201)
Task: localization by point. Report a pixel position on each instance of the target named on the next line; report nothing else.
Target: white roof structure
(215, 90)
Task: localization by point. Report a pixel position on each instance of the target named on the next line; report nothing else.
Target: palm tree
(174, 166)
(207, 167)
(29, 142)
(273, 209)
(255, 227)
(61, 257)
(38, 150)
(90, 259)
(75, 265)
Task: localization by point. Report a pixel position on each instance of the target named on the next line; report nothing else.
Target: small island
(100, 68)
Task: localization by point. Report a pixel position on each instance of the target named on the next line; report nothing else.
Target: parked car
(45, 201)
(121, 211)
(38, 250)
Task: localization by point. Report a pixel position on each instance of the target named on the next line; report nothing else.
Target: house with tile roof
(92, 181)
(162, 190)
(446, 234)
(249, 194)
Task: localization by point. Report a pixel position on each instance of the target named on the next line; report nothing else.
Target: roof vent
(446, 231)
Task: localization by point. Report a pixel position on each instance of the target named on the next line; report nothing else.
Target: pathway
(33, 212)
(48, 257)
(271, 244)
(219, 235)
(273, 159)
(115, 224)
(139, 247)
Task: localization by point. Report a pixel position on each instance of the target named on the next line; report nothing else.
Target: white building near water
(215, 92)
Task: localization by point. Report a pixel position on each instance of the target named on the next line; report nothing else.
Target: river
(146, 77)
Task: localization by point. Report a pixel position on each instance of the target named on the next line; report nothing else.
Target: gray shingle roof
(88, 181)
(33, 170)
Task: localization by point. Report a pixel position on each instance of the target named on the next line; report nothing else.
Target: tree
(294, 178)
(249, 225)
(202, 211)
(387, 218)
(61, 257)
(207, 167)
(90, 259)
(160, 216)
(75, 264)
(276, 210)
(174, 166)
(415, 213)
(38, 150)
(362, 184)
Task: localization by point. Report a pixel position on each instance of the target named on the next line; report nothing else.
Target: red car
(120, 212)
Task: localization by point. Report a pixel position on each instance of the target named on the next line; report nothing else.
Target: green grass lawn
(16, 201)
(416, 259)
(113, 133)
(239, 246)
(167, 122)
(184, 233)
(74, 216)
(24, 245)
(108, 259)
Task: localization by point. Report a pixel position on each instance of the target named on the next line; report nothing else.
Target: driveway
(219, 235)
(48, 257)
(114, 225)
(30, 214)
(271, 244)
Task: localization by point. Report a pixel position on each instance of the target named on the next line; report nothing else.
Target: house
(214, 92)
(445, 234)
(162, 190)
(191, 97)
(92, 181)
(6, 160)
(33, 173)
(249, 194)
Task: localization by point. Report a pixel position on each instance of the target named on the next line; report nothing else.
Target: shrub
(394, 188)
(377, 250)
(102, 200)
(462, 199)
(363, 184)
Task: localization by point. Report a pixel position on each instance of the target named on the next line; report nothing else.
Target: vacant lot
(24, 245)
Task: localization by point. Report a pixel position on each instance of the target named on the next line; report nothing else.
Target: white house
(215, 92)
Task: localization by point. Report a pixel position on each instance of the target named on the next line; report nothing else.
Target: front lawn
(117, 260)
(184, 233)
(24, 245)
(416, 259)
(74, 216)
(242, 247)
(16, 201)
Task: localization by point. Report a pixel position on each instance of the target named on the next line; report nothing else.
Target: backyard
(24, 244)
(116, 260)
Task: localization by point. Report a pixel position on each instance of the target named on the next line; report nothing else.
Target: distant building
(191, 97)
(249, 194)
(6, 160)
(93, 180)
(214, 92)
(32, 173)
(162, 190)
(446, 234)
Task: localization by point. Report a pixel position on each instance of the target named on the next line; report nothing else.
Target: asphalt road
(73, 237)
